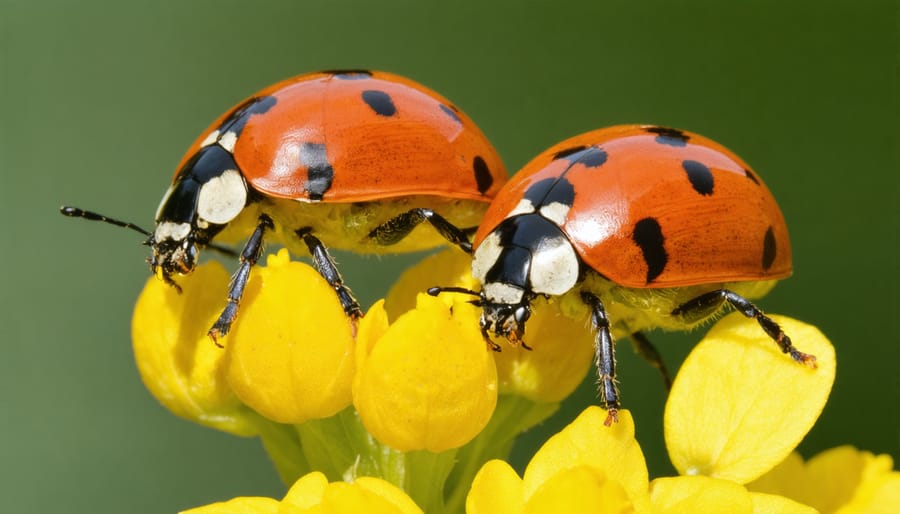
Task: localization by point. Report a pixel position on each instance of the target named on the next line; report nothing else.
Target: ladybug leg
(648, 352)
(249, 256)
(711, 301)
(604, 358)
(328, 269)
(393, 230)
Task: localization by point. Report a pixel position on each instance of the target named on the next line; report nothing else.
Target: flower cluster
(410, 412)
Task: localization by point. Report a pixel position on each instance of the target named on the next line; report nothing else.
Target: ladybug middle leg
(393, 230)
(249, 256)
(326, 267)
(604, 358)
(708, 303)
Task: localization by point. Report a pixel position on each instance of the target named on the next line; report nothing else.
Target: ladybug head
(175, 250)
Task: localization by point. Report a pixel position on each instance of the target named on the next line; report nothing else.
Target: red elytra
(719, 221)
(383, 135)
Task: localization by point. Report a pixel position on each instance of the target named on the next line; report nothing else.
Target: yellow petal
(785, 479)
(774, 504)
(841, 479)
(561, 355)
(496, 489)
(178, 363)
(428, 382)
(313, 493)
(582, 489)
(291, 348)
(611, 450)
(391, 494)
(739, 406)
(242, 505)
(688, 495)
(307, 491)
(448, 268)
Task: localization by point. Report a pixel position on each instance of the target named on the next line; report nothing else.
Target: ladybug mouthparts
(506, 320)
(172, 256)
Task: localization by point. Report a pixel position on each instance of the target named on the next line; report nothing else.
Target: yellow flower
(840, 480)
(425, 381)
(178, 363)
(313, 494)
(736, 408)
(585, 468)
(290, 353)
(739, 406)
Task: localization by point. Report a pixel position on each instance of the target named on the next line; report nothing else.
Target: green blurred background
(101, 98)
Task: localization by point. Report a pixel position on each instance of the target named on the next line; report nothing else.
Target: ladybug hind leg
(326, 267)
(707, 303)
(648, 352)
(249, 256)
(395, 229)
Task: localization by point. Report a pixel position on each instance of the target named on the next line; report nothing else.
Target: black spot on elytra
(237, 120)
(451, 111)
(589, 157)
(749, 174)
(349, 74)
(320, 174)
(550, 190)
(649, 237)
(380, 102)
(669, 136)
(483, 178)
(700, 176)
(568, 151)
(769, 249)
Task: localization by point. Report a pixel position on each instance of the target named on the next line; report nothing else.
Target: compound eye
(522, 314)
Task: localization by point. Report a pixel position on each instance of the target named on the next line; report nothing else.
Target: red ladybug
(354, 158)
(658, 227)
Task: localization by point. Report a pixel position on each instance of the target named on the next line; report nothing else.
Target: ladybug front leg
(395, 229)
(604, 358)
(328, 269)
(249, 256)
(708, 303)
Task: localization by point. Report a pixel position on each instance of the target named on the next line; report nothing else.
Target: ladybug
(355, 158)
(650, 227)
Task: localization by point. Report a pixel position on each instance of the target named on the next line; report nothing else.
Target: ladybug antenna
(434, 291)
(75, 212)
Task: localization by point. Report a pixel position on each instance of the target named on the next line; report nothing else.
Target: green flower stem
(342, 449)
(513, 415)
(283, 446)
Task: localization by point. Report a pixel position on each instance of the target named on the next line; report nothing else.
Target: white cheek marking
(524, 207)
(555, 212)
(496, 292)
(485, 256)
(162, 202)
(222, 198)
(210, 139)
(554, 267)
(227, 141)
(170, 230)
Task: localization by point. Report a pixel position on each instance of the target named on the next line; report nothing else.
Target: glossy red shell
(734, 232)
(425, 147)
